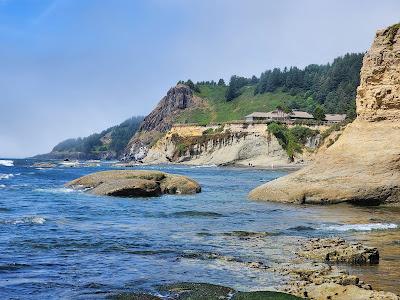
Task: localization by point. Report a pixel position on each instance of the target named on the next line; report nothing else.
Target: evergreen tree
(221, 82)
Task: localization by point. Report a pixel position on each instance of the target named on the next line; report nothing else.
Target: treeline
(332, 85)
(195, 86)
(120, 136)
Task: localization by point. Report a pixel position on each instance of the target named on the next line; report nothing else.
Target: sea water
(59, 243)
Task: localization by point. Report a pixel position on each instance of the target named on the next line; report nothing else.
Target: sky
(69, 68)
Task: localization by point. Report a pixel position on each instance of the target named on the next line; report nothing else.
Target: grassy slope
(219, 110)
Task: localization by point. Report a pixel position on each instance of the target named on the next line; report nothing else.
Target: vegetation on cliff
(292, 139)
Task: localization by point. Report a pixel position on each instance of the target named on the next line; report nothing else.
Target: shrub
(208, 131)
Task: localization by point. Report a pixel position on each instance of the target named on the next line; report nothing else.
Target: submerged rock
(46, 165)
(363, 166)
(134, 183)
(201, 291)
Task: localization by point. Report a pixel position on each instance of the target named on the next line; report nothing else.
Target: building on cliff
(290, 118)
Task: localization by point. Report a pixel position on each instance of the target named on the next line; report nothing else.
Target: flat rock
(338, 250)
(334, 291)
(135, 183)
(46, 165)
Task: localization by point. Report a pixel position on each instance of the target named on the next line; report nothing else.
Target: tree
(319, 113)
(192, 86)
(235, 84)
(221, 82)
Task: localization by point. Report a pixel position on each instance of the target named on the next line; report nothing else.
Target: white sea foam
(62, 190)
(6, 162)
(2, 186)
(6, 176)
(360, 227)
(204, 166)
(26, 220)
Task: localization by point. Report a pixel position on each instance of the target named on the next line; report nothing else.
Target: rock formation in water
(178, 99)
(135, 183)
(363, 166)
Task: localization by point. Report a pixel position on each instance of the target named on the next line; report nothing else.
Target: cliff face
(363, 166)
(243, 144)
(160, 120)
(378, 96)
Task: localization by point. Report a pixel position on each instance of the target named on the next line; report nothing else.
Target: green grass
(219, 110)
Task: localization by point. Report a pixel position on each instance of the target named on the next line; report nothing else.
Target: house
(301, 115)
(296, 116)
(334, 118)
(275, 115)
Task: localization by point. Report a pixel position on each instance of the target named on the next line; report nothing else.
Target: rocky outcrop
(337, 250)
(363, 165)
(134, 183)
(378, 96)
(178, 99)
(313, 276)
(231, 143)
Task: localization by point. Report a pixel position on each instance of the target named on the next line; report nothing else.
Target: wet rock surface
(205, 291)
(133, 183)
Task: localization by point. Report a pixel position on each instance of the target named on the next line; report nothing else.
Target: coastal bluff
(134, 183)
(363, 166)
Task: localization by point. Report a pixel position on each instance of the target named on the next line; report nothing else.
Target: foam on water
(61, 190)
(360, 227)
(2, 186)
(25, 220)
(6, 162)
(6, 176)
(204, 166)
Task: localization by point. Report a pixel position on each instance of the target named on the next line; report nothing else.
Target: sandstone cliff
(363, 166)
(240, 144)
(160, 120)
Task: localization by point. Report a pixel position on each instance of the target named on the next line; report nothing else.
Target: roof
(270, 114)
(335, 117)
(301, 114)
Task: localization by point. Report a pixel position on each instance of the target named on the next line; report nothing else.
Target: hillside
(331, 86)
(109, 144)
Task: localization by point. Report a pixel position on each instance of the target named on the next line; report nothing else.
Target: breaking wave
(360, 227)
(6, 162)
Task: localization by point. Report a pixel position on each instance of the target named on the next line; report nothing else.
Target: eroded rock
(363, 166)
(135, 183)
(338, 250)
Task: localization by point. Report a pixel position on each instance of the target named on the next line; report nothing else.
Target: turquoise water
(59, 243)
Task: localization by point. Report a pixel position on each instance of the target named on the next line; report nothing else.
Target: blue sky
(69, 68)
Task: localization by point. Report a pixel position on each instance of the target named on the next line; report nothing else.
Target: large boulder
(363, 166)
(134, 183)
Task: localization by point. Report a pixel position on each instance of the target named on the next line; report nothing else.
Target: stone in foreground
(339, 251)
(363, 166)
(134, 183)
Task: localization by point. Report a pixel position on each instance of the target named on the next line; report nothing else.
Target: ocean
(57, 243)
